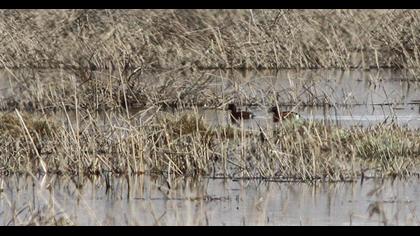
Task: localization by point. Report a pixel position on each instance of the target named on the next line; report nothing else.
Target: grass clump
(11, 125)
(318, 151)
(186, 123)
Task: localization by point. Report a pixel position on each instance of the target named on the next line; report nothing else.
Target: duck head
(231, 107)
(273, 109)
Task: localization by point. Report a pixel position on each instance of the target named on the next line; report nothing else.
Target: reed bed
(46, 90)
(184, 145)
(209, 39)
(118, 60)
(84, 122)
(53, 90)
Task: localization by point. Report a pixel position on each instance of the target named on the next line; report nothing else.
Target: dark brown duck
(236, 114)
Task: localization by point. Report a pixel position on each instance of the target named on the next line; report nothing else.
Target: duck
(283, 115)
(238, 114)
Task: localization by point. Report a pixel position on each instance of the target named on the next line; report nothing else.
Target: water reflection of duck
(238, 114)
(282, 115)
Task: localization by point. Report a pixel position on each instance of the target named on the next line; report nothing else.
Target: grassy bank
(204, 39)
(184, 145)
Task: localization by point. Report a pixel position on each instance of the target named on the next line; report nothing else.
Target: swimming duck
(282, 115)
(238, 114)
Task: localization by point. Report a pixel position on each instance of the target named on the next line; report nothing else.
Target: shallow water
(149, 201)
(355, 97)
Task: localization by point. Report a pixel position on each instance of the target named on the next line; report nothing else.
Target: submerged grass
(184, 145)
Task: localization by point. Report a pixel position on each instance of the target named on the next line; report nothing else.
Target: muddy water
(149, 201)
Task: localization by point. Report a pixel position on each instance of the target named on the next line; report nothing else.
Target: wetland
(120, 117)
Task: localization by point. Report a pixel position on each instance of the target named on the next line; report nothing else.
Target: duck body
(283, 115)
(238, 114)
